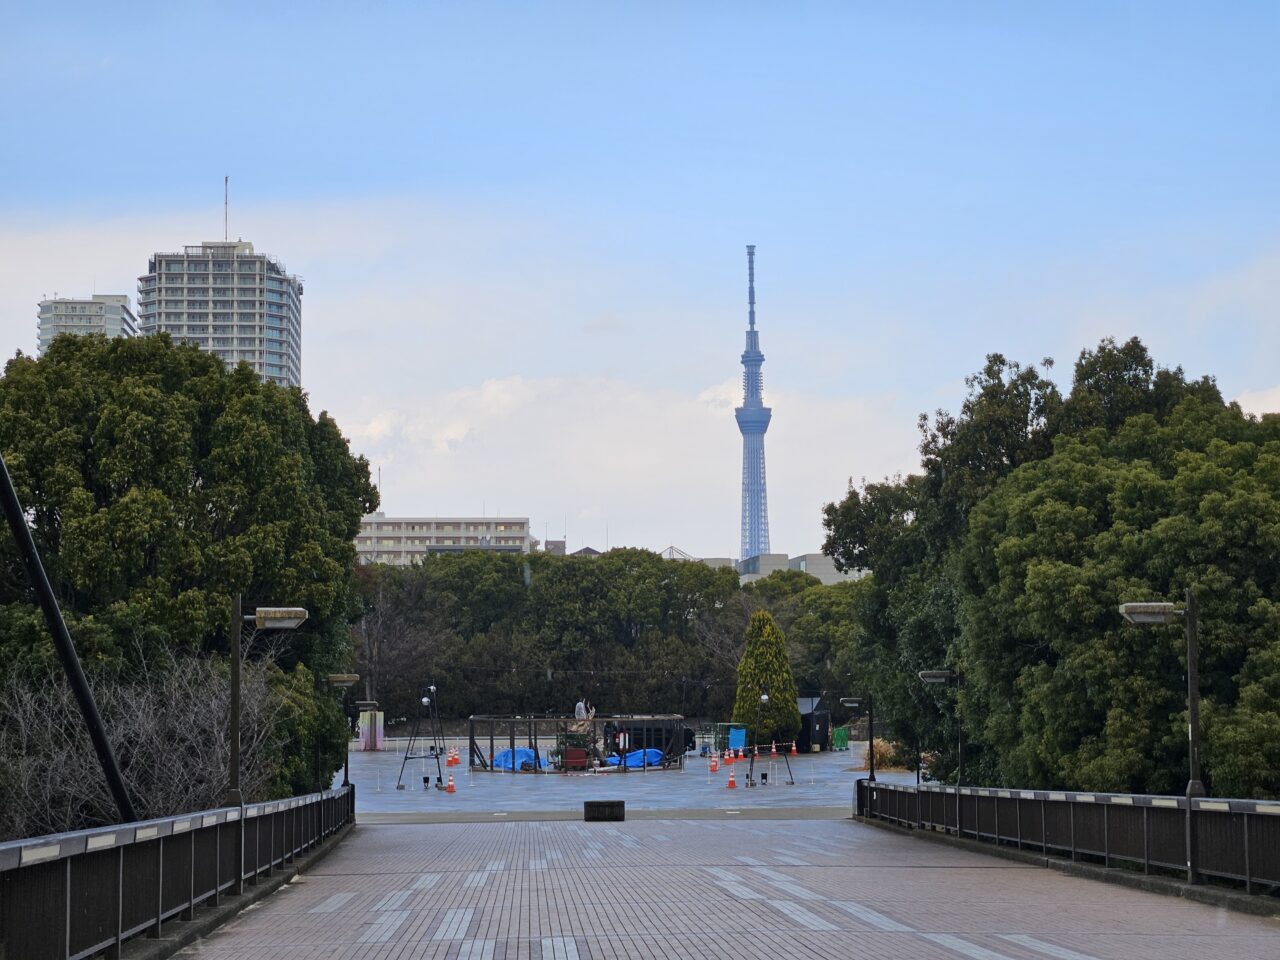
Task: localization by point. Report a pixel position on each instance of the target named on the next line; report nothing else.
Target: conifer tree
(764, 668)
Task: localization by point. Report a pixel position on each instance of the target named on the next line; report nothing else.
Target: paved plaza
(721, 888)
(822, 781)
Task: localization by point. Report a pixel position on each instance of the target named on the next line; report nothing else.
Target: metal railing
(73, 895)
(1236, 840)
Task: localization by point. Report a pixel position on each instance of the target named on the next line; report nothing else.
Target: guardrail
(1236, 840)
(73, 895)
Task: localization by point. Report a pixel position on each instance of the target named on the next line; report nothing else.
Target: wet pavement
(822, 782)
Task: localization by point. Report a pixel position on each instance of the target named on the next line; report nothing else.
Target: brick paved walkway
(708, 888)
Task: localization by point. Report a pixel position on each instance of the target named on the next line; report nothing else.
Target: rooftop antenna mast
(226, 196)
(751, 285)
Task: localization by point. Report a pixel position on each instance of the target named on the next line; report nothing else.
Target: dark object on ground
(815, 725)
(598, 811)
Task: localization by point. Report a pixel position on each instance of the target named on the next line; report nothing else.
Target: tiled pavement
(708, 888)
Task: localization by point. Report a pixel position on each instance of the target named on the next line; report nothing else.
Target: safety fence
(73, 895)
(1236, 840)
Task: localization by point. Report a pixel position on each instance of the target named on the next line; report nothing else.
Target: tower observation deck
(753, 420)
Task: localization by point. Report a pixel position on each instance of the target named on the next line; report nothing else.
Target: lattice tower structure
(753, 420)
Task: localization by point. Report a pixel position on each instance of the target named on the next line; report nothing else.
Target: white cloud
(485, 362)
(659, 466)
(1259, 402)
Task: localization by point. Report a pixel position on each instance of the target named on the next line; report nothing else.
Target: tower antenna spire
(226, 208)
(753, 420)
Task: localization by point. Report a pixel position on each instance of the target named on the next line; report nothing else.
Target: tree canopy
(158, 484)
(1034, 515)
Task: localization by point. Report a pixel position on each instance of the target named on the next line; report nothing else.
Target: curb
(1256, 904)
(178, 934)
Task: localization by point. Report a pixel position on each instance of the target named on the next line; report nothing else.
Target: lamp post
(856, 703)
(344, 682)
(946, 676)
(263, 618)
(1153, 614)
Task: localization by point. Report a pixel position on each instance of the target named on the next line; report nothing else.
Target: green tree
(910, 532)
(160, 483)
(765, 669)
(1065, 693)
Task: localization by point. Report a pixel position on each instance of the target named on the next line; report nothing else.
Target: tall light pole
(263, 618)
(344, 682)
(856, 703)
(1152, 614)
(946, 676)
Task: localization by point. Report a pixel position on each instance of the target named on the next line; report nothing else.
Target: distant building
(753, 568)
(228, 300)
(555, 548)
(586, 552)
(401, 541)
(815, 564)
(106, 313)
(823, 567)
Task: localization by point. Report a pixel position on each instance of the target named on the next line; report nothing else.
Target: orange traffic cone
(449, 788)
(742, 755)
(794, 751)
(732, 784)
(773, 750)
(728, 758)
(715, 763)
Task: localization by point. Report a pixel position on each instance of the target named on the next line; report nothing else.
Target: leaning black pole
(62, 643)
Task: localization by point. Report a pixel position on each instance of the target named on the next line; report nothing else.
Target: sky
(521, 226)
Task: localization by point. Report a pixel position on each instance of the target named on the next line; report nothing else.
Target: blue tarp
(737, 738)
(639, 758)
(525, 759)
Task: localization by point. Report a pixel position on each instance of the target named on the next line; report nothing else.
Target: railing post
(190, 912)
(114, 952)
(217, 864)
(1248, 872)
(238, 887)
(1071, 818)
(1146, 840)
(1106, 834)
(66, 907)
(154, 931)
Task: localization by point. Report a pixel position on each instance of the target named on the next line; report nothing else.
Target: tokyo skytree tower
(753, 420)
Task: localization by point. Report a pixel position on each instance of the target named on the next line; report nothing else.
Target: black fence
(1237, 840)
(73, 895)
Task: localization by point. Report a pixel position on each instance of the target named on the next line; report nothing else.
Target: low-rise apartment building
(404, 540)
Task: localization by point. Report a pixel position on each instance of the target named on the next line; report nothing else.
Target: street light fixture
(344, 682)
(857, 703)
(1155, 614)
(947, 676)
(263, 618)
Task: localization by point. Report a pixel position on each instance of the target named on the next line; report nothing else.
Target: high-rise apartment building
(108, 314)
(230, 301)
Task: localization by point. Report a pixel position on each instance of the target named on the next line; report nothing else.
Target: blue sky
(521, 226)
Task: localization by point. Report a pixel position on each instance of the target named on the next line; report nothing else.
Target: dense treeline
(1034, 516)
(158, 484)
(628, 630)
